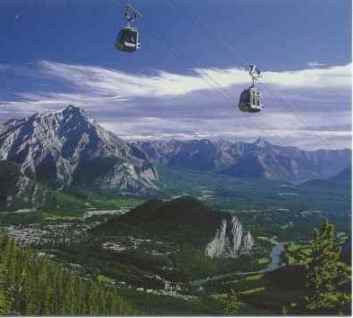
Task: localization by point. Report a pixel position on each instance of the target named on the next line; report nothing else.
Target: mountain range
(343, 179)
(68, 148)
(260, 159)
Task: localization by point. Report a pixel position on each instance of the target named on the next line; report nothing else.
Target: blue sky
(186, 79)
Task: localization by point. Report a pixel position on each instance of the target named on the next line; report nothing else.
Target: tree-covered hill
(32, 284)
(183, 220)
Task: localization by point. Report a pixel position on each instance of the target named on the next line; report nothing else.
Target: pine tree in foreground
(327, 277)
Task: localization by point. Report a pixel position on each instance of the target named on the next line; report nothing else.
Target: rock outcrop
(19, 191)
(230, 240)
(185, 222)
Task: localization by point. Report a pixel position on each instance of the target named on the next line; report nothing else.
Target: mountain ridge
(68, 148)
(243, 159)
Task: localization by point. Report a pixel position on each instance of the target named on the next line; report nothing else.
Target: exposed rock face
(248, 243)
(254, 160)
(218, 245)
(18, 190)
(193, 154)
(69, 148)
(230, 240)
(28, 194)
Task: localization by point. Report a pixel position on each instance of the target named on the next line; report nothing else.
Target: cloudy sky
(186, 79)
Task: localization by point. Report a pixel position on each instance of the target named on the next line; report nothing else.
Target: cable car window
(132, 37)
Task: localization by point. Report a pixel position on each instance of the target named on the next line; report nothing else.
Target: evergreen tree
(69, 296)
(326, 274)
(5, 301)
(231, 303)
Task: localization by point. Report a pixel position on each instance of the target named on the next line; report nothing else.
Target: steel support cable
(235, 52)
(209, 81)
(205, 77)
(242, 119)
(205, 74)
(304, 123)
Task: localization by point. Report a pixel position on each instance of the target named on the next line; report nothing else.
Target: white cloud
(112, 82)
(309, 130)
(330, 77)
(166, 105)
(96, 87)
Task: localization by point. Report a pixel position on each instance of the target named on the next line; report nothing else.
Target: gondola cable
(250, 99)
(231, 48)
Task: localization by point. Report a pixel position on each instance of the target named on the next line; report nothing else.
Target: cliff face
(18, 190)
(69, 147)
(230, 240)
(248, 243)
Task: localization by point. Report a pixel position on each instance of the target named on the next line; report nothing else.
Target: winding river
(276, 253)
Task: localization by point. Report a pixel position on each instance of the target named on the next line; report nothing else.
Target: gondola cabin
(128, 40)
(250, 100)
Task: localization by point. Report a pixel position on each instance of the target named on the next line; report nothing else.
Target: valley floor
(155, 289)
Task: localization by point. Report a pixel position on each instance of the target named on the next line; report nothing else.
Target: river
(276, 253)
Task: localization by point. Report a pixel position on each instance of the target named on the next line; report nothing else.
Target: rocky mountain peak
(261, 142)
(72, 109)
(68, 147)
(74, 112)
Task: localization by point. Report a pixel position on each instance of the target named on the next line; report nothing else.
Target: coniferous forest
(32, 284)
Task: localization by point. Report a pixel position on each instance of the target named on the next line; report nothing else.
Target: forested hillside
(32, 284)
